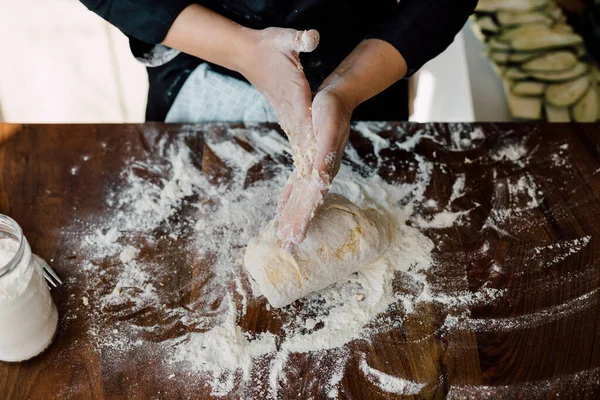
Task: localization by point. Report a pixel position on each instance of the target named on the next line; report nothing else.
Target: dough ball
(341, 239)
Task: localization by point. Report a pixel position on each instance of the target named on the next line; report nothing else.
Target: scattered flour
(128, 254)
(477, 134)
(159, 204)
(562, 249)
(410, 143)
(444, 219)
(334, 381)
(235, 155)
(447, 217)
(223, 350)
(460, 135)
(370, 131)
(462, 138)
(388, 383)
(569, 386)
(560, 158)
(525, 321)
(513, 198)
(481, 297)
(512, 152)
(458, 188)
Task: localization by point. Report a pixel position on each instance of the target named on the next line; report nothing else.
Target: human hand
(371, 67)
(268, 58)
(272, 65)
(305, 192)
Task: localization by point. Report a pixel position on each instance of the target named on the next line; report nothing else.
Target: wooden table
(557, 354)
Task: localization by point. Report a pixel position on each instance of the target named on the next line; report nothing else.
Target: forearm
(208, 35)
(422, 29)
(373, 66)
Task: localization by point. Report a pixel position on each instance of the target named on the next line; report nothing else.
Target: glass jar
(28, 316)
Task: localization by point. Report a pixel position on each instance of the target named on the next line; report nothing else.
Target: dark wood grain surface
(557, 356)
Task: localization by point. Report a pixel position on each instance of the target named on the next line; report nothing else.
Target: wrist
(372, 67)
(244, 50)
(344, 99)
(343, 89)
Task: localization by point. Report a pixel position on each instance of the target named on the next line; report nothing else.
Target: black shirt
(419, 29)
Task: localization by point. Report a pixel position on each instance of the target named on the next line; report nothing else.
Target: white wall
(62, 63)
(459, 85)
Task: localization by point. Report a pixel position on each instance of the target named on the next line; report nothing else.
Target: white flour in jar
(28, 316)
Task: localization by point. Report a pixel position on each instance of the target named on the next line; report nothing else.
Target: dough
(340, 240)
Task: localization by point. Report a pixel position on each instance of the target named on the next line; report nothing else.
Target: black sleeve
(422, 29)
(145, 20)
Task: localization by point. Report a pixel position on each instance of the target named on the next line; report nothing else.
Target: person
(313, 65)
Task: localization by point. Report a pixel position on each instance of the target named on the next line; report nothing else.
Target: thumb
(326, 158)
(307, 41)
(286, 192)
(325, 167)
(299, 41)
(331, 143)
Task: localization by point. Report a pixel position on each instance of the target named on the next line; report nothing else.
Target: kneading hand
(372, 66)
(304, 193)
(268, 58)
(272, 65)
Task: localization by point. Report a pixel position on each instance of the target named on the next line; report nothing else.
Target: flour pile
(158, 211)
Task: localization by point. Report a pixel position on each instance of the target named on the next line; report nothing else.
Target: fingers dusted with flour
(286, 192)
(298, 41)
(306, 194)
(273, 66)
(270, 60)
(331, 124)
(373, 66)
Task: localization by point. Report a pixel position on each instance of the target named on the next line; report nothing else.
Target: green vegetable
(567, 93)
(487, 24)
(508, 35)
(586, 110)
(557, 114)
(545, 41)
(553, 76)
(515, 74)
(509, 18)
(528, 88)
(509, 5)
(523, 107)
(553, 61)
(502, 57)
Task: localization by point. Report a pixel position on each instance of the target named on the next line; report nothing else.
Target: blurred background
(62, 63)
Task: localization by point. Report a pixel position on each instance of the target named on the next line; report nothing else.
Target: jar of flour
(28, 316)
